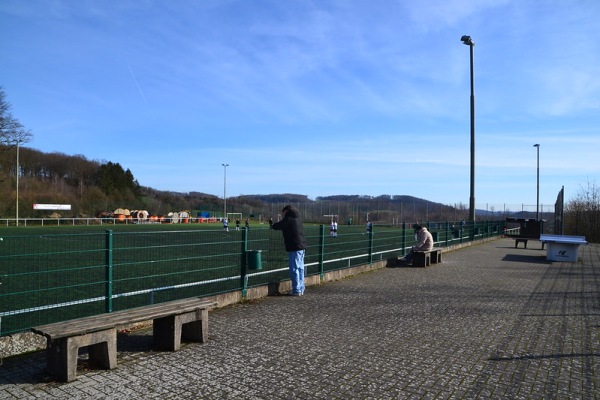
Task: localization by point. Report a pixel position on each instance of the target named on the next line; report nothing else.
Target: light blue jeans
(297, 270)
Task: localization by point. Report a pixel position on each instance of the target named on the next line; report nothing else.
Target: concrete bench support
(524, 241)
(426, 258)
(169, 331)
(421, 259)
(62, 353)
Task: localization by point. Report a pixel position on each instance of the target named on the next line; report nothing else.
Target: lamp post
(18, 170)
(469, 42)
(225, 189)
(537, 209)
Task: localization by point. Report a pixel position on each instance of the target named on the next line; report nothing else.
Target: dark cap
(286, 208)
(417, 227)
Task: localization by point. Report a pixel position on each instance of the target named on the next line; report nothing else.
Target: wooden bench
(426, 258)
(524, 241)
(172, 321)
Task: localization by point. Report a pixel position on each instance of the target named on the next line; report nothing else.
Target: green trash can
(254, 259)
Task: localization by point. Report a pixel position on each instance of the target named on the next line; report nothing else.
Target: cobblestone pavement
(491, 321)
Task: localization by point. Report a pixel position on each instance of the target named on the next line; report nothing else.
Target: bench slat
(102, 322)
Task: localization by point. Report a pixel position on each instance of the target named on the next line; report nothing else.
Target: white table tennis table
(562, 247)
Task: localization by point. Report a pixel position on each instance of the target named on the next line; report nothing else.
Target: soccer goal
(231, 217)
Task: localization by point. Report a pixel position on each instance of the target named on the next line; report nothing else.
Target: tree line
(58, 178)
(582, 213)
(91, 186)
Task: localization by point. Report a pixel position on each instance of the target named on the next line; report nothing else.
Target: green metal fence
(53, 277)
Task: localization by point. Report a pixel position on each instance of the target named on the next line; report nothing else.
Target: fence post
(322, 252)
(403, 238)
(371, 245)
(447, 232)
(243, 262)
(109, 270)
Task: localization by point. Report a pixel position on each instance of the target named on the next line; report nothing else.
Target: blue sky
(314, 97)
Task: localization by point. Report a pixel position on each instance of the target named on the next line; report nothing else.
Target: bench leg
(436, 257)
(168, 331)
(517, 241)
(197, 329)
(103, 355)
(421, 259)
(62, 354)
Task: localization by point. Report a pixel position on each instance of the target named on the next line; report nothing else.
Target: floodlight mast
(469, 42)
(537, 209)
(225, 190)
(18, 170)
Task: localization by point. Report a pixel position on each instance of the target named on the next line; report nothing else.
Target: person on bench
(424, 242)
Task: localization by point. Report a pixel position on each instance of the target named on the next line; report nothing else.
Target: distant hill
(91, 186)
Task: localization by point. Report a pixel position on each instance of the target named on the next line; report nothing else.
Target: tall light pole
(225, 189)
(18, 170)
(469, 42)
(537, 210)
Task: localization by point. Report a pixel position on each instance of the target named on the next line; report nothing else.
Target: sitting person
(424, 242)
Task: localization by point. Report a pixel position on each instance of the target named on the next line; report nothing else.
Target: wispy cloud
(318, 98)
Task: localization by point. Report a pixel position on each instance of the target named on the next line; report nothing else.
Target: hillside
(91, 186)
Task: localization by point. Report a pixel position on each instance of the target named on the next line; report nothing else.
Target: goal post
(231, 217)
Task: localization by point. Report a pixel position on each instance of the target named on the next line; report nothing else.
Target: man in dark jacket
(295, 244)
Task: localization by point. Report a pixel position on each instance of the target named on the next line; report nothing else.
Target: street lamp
(18, 170)
(537, 210)
(469, 42)
(225, 189)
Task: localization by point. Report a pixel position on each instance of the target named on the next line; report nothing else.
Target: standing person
(237, 224)
(295, 244)
(455, 231)
(247, 223)
(270, 222)
(225, 225)
(424, 242)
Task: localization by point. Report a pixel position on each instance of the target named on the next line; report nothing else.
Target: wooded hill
(91, 186)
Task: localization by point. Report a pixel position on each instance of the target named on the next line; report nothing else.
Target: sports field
(57, 273)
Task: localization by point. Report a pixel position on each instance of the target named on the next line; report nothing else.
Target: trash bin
(435, 236)
(254, 258)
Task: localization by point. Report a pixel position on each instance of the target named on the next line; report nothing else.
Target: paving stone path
(491, 321)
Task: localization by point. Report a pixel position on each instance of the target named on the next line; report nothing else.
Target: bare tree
(582, 214)
(12, 131)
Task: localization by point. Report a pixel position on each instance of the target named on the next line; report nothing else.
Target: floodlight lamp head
(536, 145)
(467, 40)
